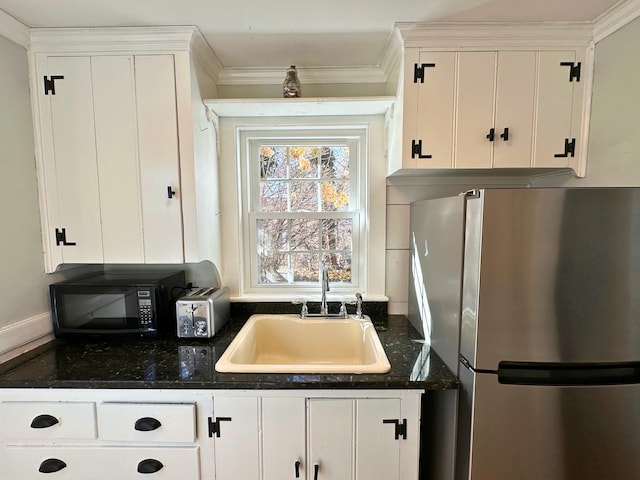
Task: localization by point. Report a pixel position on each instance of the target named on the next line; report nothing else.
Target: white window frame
(249, 139)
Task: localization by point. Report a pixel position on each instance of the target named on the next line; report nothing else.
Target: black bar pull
(491, 135)
(416, 150)
(401, 427)
(51, 465)
(574, 70)
(505, 134)
(214, 425)
(418, 71)
(150, 465)
(50, 85)
(44, 421)
(316, 469)
(297, 467)
(61, 238)
(569, 148)
(170, 192)
(147, 424)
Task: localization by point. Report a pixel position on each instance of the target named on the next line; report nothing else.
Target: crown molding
(308, 75)
(14, 30)
(615, 18)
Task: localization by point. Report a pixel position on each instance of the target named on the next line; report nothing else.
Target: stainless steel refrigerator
(533, 297)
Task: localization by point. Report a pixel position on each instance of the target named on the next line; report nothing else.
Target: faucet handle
(304, 311)
(359, 306)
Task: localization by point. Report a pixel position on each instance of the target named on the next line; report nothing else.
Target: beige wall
(614, 137)
(23, 285)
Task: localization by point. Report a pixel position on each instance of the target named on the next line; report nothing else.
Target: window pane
(305, 267)
(339, 267)
(304, 196)
(336, 234)
(335, 196)
(274, 196)
(273, 268)
(273, 162)
(272, 235)
(303, 162)
(305, 234)
(334, 162)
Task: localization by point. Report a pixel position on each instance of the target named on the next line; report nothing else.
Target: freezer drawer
(529, 432)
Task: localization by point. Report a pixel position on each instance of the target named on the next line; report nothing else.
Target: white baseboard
(25, 335)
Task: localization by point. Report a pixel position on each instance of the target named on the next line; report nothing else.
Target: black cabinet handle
(147, 424)
(149, 465)
(44, 421)
(51, 465)
(505, 134)
(297, 468)
(316, 468)
(492, 134)
(170, 192)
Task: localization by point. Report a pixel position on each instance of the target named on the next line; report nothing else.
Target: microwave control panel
(145, 309)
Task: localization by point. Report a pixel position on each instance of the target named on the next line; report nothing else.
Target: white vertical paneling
(397, 227)
(117, 152)
(554, 108)
(74, 150)
(283, 438)
(476, 86)
(331, 438)
(515, 100)
(377, 450)
(159, 158)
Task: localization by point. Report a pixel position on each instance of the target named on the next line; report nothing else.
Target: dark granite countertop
(188, 363)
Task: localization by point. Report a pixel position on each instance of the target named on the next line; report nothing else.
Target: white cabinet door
(474, 120)
(430, 143)
(71, 184)
(377, 448)
(283, 438)
(117, 156)
(159, 160)
(237, 446)
(331, 439)
(515, 102)
(554, 109)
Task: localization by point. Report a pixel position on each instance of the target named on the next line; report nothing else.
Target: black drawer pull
(51, 465)
(297, 465)
(316, 469)
(149, 465)
(147, 424)
(44, 421)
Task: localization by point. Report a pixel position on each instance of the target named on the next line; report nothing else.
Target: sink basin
(290, 344)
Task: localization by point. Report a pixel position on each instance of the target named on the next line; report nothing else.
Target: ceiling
(308, 33)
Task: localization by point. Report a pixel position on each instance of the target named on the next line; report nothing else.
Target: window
(304, 204)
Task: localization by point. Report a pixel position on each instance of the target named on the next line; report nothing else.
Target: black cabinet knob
(150, 465)
(44, 421)
(147, 424)
(51, 465)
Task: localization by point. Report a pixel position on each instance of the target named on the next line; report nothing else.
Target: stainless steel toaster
(202, 312)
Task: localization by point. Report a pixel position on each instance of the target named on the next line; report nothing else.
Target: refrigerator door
(552, 433)
(435, 281)
(551, 275)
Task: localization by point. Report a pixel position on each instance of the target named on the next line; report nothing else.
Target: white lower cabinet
(316, 437)
(77, 434)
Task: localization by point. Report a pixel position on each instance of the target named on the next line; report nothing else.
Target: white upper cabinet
(472, 101)
(115, 150)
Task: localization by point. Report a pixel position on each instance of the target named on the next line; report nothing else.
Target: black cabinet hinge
(416, 150)
(574, 70)
(50, 84)
(401, 427)
(418, 71)
(214, 425)
(569, 148)
(61, 238)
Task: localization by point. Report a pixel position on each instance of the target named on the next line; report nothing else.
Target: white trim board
(14, 30)
(25, 332)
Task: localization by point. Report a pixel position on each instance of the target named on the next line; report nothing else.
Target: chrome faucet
(325, 288)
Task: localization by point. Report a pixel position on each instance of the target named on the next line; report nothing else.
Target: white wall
(23, 284)
(614, 137)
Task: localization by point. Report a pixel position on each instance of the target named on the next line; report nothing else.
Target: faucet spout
(325, 288)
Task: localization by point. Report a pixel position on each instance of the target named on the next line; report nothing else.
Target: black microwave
(117, 303)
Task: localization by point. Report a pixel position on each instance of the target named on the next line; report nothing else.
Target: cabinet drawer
(48, 420)
(145, 422)
(100, 463)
